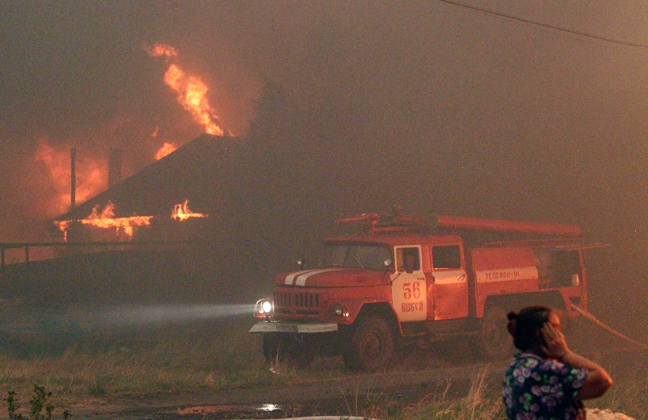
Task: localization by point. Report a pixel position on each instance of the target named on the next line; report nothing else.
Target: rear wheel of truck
(371, 346)
(288, 350)
(493, 340)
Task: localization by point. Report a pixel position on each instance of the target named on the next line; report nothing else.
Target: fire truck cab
(410, 277)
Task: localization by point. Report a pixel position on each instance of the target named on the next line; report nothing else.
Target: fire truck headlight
(340, 310)
(263, 308)
(267, 307)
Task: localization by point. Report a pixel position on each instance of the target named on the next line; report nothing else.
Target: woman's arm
(598, 381)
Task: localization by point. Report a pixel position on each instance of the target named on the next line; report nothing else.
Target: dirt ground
(421, 382)
(342, 396)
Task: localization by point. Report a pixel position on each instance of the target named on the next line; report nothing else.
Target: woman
(547, 380)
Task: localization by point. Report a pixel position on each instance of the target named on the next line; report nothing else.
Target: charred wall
(192, 274)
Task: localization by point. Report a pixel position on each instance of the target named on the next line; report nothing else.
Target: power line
(545, 25)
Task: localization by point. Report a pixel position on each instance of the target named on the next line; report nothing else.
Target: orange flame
(181, 212)
(167, 148)
(192, 92)
(106, 219)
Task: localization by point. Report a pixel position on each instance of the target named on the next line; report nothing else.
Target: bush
(37, 404)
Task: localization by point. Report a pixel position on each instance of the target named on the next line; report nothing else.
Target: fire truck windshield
(367, 256)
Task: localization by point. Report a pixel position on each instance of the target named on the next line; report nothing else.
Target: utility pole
(73, 179)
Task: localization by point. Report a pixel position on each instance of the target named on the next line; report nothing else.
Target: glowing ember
(167, 148)
(106, 219)
(192, 92)
(181, 212)
(159, 50)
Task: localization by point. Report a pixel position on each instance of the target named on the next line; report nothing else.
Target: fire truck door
(450, 286)
(409, 291)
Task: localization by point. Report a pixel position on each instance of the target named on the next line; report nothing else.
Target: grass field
(150, 359)
(85, 363)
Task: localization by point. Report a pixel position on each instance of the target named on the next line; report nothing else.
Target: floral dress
(536, 388)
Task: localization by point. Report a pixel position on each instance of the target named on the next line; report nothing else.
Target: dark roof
(201, 171)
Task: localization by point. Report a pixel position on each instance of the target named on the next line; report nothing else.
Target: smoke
(38, 171)
(90, 172)
(434, 106)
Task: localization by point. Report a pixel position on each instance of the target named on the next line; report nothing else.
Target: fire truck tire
(287, 350)
(371, 345)
(493, 340)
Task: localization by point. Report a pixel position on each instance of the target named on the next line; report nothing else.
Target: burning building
(171, 229)
(169, 232)
(184, 196)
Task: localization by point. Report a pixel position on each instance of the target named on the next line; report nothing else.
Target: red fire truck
(429, 278)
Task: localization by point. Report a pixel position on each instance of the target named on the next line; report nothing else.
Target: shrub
(37, 404)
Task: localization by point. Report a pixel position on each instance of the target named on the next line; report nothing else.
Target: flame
(106, 219)
(167, 148)
(191, 90)
(90, 174)
(181, 212)
(159, 50)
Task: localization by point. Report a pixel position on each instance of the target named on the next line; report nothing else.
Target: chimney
(114, 167)
(73, 179)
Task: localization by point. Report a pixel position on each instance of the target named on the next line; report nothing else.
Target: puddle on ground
(259, 411)
(269, 408)
(229, 411)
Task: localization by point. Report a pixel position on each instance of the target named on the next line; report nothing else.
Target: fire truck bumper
(292, 327)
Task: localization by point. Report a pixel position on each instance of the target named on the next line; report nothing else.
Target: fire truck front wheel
(371, 346)
(288, 350)
(493, 339)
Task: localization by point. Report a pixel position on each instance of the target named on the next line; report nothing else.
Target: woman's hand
(597, 382)
(555, 343)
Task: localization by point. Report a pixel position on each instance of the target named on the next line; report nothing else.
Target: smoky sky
(444, 109)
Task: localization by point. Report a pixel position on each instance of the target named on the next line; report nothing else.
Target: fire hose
(607, 328)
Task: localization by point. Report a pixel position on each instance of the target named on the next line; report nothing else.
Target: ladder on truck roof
(563, 244)
(400, 223)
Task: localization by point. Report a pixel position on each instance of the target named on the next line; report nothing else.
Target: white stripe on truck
(299, 278)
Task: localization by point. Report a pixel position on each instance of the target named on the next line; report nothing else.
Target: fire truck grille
(297, 303)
